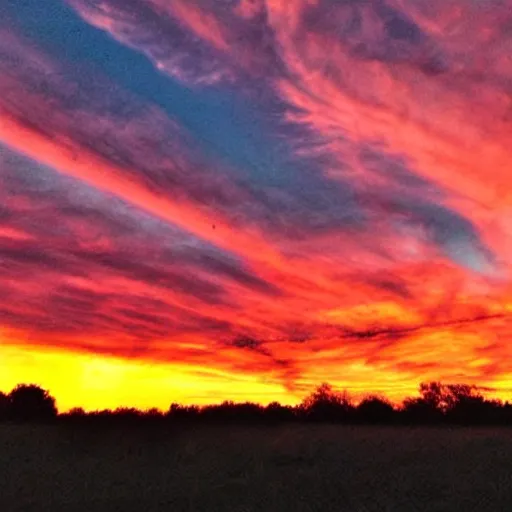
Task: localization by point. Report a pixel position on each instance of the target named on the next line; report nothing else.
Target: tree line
(437, 404)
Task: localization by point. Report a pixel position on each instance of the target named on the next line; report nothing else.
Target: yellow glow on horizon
(94, 381)
(99, 382)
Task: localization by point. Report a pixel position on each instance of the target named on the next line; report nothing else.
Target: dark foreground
(241, 469)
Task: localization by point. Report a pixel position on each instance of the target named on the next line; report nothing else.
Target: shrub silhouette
(246, 412)
(430, 407)
(325, 404)
(76, 412)
(454, 403)
(466, 405)
(438, 403)
(4, 406)
(276, 413)
(419, 410)
(29, 402)
(127, 414)
(178, 412)
(374, 409)
(153, 414)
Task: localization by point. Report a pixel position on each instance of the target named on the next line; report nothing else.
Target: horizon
(324, 389)
(242, 199)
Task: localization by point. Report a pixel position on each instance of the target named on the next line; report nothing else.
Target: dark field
(295, 468)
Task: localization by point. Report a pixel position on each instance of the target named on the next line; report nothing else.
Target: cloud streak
(204, 184)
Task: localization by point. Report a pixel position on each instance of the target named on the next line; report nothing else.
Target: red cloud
(399, 273)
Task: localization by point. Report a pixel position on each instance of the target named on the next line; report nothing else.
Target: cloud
(99, 241)
(201, 43)
(291, 190)
(398, 39)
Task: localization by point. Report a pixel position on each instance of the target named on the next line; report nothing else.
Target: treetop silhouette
(437, 403)
(28, 402)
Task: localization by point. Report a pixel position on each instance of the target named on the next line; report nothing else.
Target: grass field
(289, 468)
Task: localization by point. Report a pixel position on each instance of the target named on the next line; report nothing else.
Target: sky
(241, 199)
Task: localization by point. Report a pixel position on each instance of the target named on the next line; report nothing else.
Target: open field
(286, 468)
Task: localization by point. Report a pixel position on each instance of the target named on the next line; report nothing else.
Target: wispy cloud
(275, 188)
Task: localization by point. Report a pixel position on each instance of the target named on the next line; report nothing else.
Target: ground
(299, 468)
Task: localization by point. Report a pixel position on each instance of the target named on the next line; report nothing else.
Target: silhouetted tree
(4, 406)
(429, 407)
(434, 395)
(153, 414)
(325, 404)
(178, 412)
(505, 413)
(29, 402)
(456, 403)
(127, 415)
(438, 402)
(447, 396)
(105, 416)
(76, 412)
(75, 415)
(277, 413)
(465, 404)
(374, 409)
(229, 411)
(419, 410)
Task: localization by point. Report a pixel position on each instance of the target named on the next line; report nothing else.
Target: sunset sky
(240, 199)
